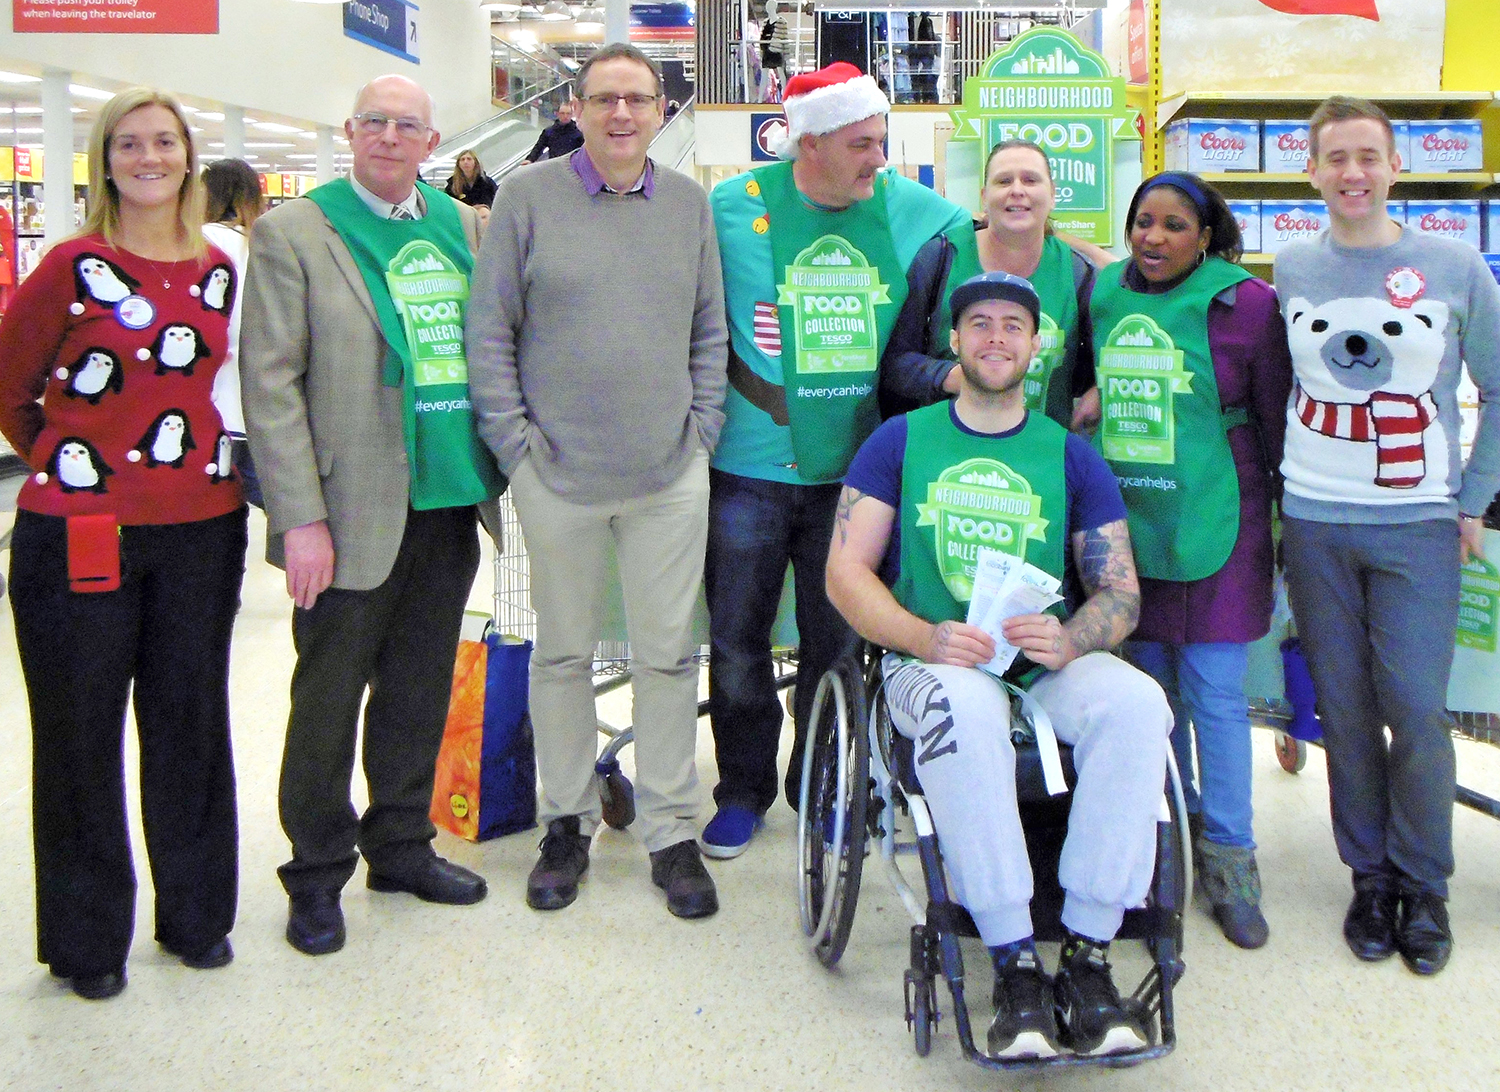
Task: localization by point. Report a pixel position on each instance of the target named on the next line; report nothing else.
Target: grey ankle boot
(1230, 880)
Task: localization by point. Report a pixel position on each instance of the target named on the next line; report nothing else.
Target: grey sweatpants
(1117, 720)
(1376, 608)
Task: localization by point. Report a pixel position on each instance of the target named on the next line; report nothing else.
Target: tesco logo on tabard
(1222, 140)
(1297, 220)
(1443, 221)
(1444, 141)
(1291, 142)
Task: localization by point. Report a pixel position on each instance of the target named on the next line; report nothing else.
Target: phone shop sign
(389, 25)
(115, 16)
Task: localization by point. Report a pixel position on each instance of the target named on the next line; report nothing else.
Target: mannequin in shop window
(773, 50)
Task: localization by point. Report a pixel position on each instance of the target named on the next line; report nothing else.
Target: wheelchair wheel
(921, 1011)
(1291, 752)
(831, 822)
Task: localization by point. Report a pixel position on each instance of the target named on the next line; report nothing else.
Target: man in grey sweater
(597, 350)
(1379, 512)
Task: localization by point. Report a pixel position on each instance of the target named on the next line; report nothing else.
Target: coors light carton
(1247, 216)
(1284, 147)
(1283, 222)
(1210, 145)
(1441, 147)
(1450, 219)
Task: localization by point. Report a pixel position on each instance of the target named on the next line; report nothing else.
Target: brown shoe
(678, 870)
(564, 862)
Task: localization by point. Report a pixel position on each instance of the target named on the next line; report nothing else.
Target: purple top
(1253, 368)
(593, 181)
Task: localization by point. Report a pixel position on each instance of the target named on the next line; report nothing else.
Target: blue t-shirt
(1093, 491)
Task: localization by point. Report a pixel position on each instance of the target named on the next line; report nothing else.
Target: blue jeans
(1376, 608)
(755, 527)
(1205, 684)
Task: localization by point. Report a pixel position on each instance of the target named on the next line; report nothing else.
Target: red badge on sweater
(1405, 286)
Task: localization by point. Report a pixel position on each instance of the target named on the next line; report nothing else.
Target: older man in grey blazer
(357, 411)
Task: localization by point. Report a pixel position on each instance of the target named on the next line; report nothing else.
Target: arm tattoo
(1113, 607)
(847, 500)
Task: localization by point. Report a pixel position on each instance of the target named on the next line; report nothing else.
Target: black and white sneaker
(1024, 1026)
(1093, 1017)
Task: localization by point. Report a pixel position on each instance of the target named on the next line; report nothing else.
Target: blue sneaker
(729, 832)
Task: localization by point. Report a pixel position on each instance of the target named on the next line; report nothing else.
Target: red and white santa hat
(828, 99)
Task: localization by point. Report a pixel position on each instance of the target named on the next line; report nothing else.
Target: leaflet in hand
(1004, 587)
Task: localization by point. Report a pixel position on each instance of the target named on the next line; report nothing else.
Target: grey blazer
(325, 432)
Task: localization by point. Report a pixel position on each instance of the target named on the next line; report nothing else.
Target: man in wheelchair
(925, 494)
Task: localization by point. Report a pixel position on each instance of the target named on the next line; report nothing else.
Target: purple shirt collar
(593, 181)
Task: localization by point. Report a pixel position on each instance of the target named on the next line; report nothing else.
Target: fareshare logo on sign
(1139, 371)
(979, 502)
(1046, 87)
(833, 289)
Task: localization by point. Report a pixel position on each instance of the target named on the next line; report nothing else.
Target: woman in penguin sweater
(127, 555)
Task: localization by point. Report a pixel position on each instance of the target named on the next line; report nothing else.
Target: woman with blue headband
(1193, 374)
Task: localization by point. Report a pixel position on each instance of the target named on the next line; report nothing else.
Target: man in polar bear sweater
(1379, 512)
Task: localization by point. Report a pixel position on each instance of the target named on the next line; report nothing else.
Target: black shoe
(431, 879)
(1024, 1025)
(1370, 924)
(1090, 1012)
(315, 924)
(99, 987)
(564, 862)
(216, 955)
(1423, 937)
(678, 870)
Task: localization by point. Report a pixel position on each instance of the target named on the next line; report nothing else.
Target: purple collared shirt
(593, 181)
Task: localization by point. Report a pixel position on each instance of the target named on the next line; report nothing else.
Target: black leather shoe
(99, 987)
(562, 866)
(432, 880)
(678, 870)
(315, 924)
(1423, 937)
(216, 955)
(1370, 924)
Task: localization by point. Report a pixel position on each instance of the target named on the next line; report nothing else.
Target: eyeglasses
(607, 102)
(374, 124)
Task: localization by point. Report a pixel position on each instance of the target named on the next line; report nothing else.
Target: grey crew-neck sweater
(595, 332)
(1379, 337)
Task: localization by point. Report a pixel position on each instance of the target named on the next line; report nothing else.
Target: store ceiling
(272, 142)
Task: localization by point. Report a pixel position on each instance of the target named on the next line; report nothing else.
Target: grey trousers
(1376, 608)
(1117, 720)
(659, 542)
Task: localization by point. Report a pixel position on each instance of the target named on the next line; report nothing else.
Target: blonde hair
(457, 179)
(104, 199)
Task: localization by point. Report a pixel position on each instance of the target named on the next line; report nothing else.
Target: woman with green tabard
(1015, 237)
(1193, 372)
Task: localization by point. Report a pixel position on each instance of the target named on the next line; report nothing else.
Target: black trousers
(167, 630)
(398, 641)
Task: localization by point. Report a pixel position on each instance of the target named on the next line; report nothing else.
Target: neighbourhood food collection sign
(1046, 87)
(115, 16)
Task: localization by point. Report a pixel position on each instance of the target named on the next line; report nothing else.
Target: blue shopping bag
(507, 763)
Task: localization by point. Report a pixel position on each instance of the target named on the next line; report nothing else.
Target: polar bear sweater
(1379, 337)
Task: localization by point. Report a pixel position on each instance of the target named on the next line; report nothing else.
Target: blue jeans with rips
(755, 528)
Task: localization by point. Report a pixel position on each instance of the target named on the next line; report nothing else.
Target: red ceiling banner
(1363, 9)
(115, 16)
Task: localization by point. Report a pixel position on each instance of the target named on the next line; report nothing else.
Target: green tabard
(840, 287)
(960, 491)
(1162, 429)
(1049, 380)
(417, 274)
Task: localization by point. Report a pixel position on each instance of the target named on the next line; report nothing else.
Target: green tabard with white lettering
(961, 491)
(840, 288)
(1478, 604)
(1049, 379)
(1162, 429)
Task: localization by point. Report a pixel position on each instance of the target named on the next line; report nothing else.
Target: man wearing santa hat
(815, 250)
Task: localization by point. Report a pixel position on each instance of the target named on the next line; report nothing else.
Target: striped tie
(400, 212)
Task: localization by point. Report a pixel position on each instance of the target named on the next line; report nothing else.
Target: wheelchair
(858, 772)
